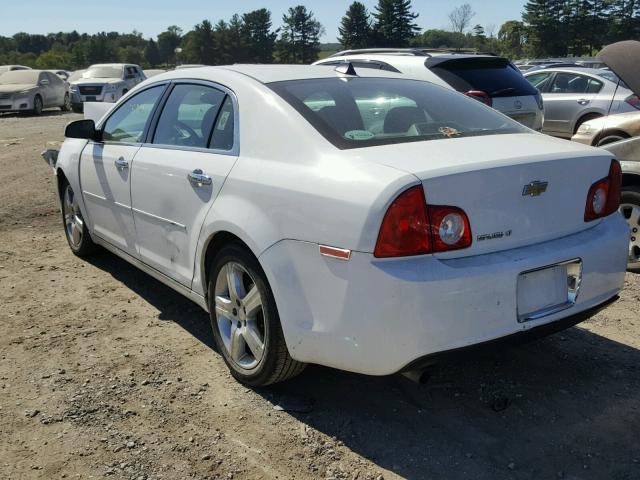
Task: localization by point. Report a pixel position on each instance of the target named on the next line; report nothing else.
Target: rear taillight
(450, 228)
(411, 227)
(634, 101)
(481, 96)
(604, 195)
(540, 101)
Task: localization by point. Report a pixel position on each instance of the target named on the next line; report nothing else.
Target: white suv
(104, 83)
(493, 80)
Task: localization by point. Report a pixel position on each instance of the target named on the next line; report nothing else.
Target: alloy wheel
(73, 221)
(631, 213)
(240, 316)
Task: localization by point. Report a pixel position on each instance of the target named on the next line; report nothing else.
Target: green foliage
(394, 23)
(299, 40)
(549, 28)
(355, 27)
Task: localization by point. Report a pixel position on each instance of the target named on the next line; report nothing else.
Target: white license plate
(548, 290)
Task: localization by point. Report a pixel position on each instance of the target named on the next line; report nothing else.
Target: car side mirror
(83, 129)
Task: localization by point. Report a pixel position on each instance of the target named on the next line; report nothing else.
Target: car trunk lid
(517, 189)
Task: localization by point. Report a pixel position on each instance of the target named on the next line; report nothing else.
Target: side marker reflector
(333, 252)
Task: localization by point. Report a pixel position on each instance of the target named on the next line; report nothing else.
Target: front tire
(66, 104)
(630, 209)
(37, 105)
(245, 322)
(75, 228)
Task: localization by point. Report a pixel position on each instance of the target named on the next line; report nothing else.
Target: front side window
(539, 80)
(188, 116)
(361, 112)
(127, 124)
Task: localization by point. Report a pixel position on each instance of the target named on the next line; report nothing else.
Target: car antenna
(346, 69)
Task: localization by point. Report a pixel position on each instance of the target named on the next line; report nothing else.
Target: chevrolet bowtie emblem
(534, 189)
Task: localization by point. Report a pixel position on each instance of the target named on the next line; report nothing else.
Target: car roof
(271, 73)
(115, 65)
(589, 71)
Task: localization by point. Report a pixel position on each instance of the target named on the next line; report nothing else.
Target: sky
(153, 16)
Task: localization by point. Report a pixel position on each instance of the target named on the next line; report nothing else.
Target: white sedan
(346, 218)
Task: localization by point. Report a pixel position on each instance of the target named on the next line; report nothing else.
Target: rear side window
(495, 76)
(362, 112)
(188, 116)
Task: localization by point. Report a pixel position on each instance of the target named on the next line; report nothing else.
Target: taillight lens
(405, 229)
(540, 101)
(411, 227)
(634, 101)
(604, 195)
(481, 96)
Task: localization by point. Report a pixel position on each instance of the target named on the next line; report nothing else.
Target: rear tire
(245, 322)
(630, 209)
(75, 227)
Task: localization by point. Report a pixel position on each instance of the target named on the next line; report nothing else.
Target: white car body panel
(287, 190)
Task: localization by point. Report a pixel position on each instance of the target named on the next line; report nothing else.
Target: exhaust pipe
(420, 377)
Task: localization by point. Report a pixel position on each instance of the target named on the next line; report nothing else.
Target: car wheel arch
(630, 180)
(585, 118)
(609, 133)
(213, 244)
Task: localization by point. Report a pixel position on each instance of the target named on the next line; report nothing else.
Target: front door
(176, 178)
(568, 98)
(105, 170)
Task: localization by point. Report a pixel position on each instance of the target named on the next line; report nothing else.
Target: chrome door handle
(121, 164)
(198, 178)
(583, 101)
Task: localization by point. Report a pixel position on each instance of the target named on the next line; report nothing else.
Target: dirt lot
(106, 373)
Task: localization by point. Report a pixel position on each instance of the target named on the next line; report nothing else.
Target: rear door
(105, 169)
(568, 97)
(177, 176)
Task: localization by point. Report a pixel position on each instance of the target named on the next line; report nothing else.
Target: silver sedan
(574, 95)
(32, 91)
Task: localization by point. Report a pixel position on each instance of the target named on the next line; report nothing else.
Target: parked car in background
(153, 72)
(104, 83)
(32, 91)
(492, 80)
(573, 96)
(609, 129)
(10, 68)
(365, 221)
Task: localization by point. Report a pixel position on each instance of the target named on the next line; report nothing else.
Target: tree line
(548, 28)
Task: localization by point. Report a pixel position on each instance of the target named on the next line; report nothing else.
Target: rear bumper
(377, 316)
(518, 338)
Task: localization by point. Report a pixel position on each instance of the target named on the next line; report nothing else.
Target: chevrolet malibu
(346, 218)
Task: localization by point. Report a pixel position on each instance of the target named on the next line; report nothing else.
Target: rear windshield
(103, 72)
(495, 76)
(362, 112)
(18, 77)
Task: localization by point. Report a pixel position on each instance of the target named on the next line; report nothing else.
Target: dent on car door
(105, 169)
(569, 97)
(176, 178)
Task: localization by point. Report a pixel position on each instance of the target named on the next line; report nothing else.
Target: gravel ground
(106, 373)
